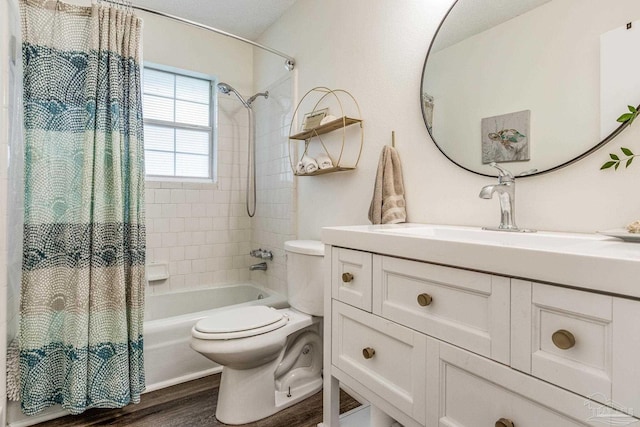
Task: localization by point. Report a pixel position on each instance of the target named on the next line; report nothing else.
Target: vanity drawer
(579, 321)
(351, 277)
(473, 391)
(465, 308)
(578, 340)
(385, 357)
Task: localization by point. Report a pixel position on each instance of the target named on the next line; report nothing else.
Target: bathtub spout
(261, 266)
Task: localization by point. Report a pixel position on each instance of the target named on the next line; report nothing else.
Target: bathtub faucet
(262, 254)
(262, 266)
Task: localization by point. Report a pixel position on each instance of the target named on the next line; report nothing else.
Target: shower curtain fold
(83, 281)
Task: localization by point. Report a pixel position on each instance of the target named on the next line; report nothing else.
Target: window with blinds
(178, 119)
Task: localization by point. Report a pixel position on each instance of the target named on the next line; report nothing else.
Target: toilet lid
(242, 321)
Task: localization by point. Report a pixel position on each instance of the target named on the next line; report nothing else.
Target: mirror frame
(596, 147)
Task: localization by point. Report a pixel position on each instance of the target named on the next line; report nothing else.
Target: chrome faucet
(506, 189)
(261, 266)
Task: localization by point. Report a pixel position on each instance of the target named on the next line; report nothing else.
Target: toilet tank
(305, 275)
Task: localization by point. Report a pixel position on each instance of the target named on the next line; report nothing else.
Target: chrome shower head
(227, 89)
(224, 88)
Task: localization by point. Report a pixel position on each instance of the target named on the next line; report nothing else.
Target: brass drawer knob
(347, 277)
(504, 422)
(368, 352)
(424, 300)
(563, 339)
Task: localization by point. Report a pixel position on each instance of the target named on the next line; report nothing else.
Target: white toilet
(271, 358)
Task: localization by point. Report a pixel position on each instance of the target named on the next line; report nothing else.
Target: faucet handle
(262, 253)
(503, 174)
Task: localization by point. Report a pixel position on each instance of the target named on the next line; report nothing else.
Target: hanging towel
(13, 370)
(388, 204)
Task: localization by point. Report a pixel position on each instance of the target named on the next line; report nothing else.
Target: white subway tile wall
(200, 228)
(275, 219)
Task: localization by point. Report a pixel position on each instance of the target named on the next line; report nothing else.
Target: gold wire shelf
(313, 135)
(324, 171)
(326, 128)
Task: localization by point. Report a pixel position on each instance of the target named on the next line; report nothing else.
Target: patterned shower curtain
(84, 236)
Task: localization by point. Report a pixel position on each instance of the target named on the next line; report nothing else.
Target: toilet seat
(242, 322)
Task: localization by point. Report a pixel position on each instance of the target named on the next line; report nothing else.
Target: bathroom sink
(538, 240)
(589, 261)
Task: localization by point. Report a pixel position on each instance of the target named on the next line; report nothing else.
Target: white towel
(324, 161)
(388, 204)
(300, 168)
(309, 163)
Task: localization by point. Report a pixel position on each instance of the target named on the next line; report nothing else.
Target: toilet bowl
(271, 358)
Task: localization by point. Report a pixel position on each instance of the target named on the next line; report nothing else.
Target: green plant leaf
(629, 162)
(632, 108)
(617, 165)
(625, 117)
(607, 165)
(626, 151)
(614, 157)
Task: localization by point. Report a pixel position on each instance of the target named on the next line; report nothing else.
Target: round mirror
(535, 83)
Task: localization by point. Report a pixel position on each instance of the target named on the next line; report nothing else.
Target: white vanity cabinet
(441, 346)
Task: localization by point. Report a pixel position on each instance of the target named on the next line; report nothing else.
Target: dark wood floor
(193, 404)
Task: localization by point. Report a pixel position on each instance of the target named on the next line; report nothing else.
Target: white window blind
(178, 133)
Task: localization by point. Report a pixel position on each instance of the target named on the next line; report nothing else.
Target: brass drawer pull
(504, 422)
(347, 277)
(563, 339)
(368, 352)
(424, 300)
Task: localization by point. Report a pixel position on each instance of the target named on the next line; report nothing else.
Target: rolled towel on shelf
(324, 161)
(309, 163)
(300, 168)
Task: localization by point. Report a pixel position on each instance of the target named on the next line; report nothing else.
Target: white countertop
(589, 261)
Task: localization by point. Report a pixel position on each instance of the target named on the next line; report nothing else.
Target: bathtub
(168, 359)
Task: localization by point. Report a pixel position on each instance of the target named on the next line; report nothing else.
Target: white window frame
(212, 128)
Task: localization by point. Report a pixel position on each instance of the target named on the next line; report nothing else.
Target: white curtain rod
(289, 62)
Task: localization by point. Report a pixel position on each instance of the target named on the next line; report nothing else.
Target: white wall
(376, 51)
(183, 46)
